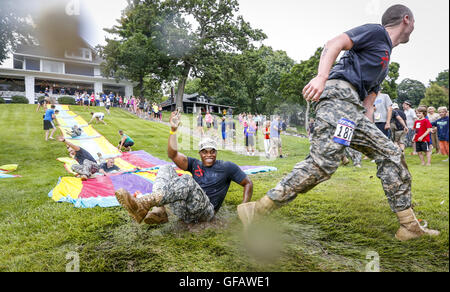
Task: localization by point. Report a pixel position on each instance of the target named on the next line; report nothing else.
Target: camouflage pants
(185, 197)
(340, 100)
(354, 155)
(87, 168)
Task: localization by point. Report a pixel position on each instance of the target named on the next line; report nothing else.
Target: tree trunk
(307, 116)
(181, 85)
(141, 86)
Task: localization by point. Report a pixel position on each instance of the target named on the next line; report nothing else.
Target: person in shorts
(98, 117)
(49, 117)
(125, 141)
(423, 127)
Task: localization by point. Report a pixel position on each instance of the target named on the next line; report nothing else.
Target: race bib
(344, 132)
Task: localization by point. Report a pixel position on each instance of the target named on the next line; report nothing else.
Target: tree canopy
(412, 90)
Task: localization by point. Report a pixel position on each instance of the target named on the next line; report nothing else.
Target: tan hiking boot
(345, 161)
(137, 208)
(410, 227)
(248, 212)
(158, 215)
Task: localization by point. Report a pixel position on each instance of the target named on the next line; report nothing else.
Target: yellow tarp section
(8, 167)
(59, 107)
(123, 165)
(80, 121)
(68, 162)
(148, 175)
(69, 186)
(106, 147)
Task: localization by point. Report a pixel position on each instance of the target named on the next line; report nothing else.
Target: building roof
(195, 98)
(58, 52)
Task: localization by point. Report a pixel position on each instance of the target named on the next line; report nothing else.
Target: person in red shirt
(423, 127)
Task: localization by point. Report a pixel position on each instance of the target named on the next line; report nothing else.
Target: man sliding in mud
(193, 198)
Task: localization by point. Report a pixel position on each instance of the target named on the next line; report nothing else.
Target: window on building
(79, 54)
(79, 69)
(33, 64)
(18, 62)
(52, 67)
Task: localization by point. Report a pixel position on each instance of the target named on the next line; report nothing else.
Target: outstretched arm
(172, 149)
(313, 90)
(248, 190)
(74, 147)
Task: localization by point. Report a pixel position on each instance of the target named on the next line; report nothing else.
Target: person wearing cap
(398, 127)
(411, 117)
(192, 198)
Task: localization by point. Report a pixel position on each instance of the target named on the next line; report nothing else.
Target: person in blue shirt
(49, 117)
(345, 94)
(224, 132)
(442, 130)
(192, 198)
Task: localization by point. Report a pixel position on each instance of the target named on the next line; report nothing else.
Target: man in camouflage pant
(193, 198)
(340, 100)
(345, 97)
(354, 155)
(185, 197)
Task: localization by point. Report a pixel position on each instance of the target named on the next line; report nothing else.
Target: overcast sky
(299, 27)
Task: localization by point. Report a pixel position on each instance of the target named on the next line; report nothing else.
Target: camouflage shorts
(340, 100)
(87, 168)
(186, 199)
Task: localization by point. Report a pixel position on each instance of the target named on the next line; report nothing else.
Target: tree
(389, 85)
(442, 79)
(15, 29)
(248, 80)
(411, 90)
(435, 96)
(135, 54)
(216, 29)
(292, 83)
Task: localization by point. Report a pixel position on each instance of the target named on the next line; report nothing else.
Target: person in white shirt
(98, 116)
(410, 119)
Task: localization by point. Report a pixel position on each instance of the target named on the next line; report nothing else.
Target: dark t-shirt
(215, 180)
(82, 154)
(442, 126)
(366, 65)
(395, 114)
(104, 166)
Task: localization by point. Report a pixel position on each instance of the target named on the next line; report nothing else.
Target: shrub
(66, 100)
(2, 100)
(19, 99)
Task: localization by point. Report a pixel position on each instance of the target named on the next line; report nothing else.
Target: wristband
(172, 133)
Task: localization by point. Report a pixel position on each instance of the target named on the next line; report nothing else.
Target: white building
(32, 69)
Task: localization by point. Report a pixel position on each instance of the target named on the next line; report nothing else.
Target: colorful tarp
(99, 191)
(138, 169)
(6, 169)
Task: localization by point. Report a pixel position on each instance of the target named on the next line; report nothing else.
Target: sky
(299, 27)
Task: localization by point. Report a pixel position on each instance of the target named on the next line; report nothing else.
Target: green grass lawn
(331, 228)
